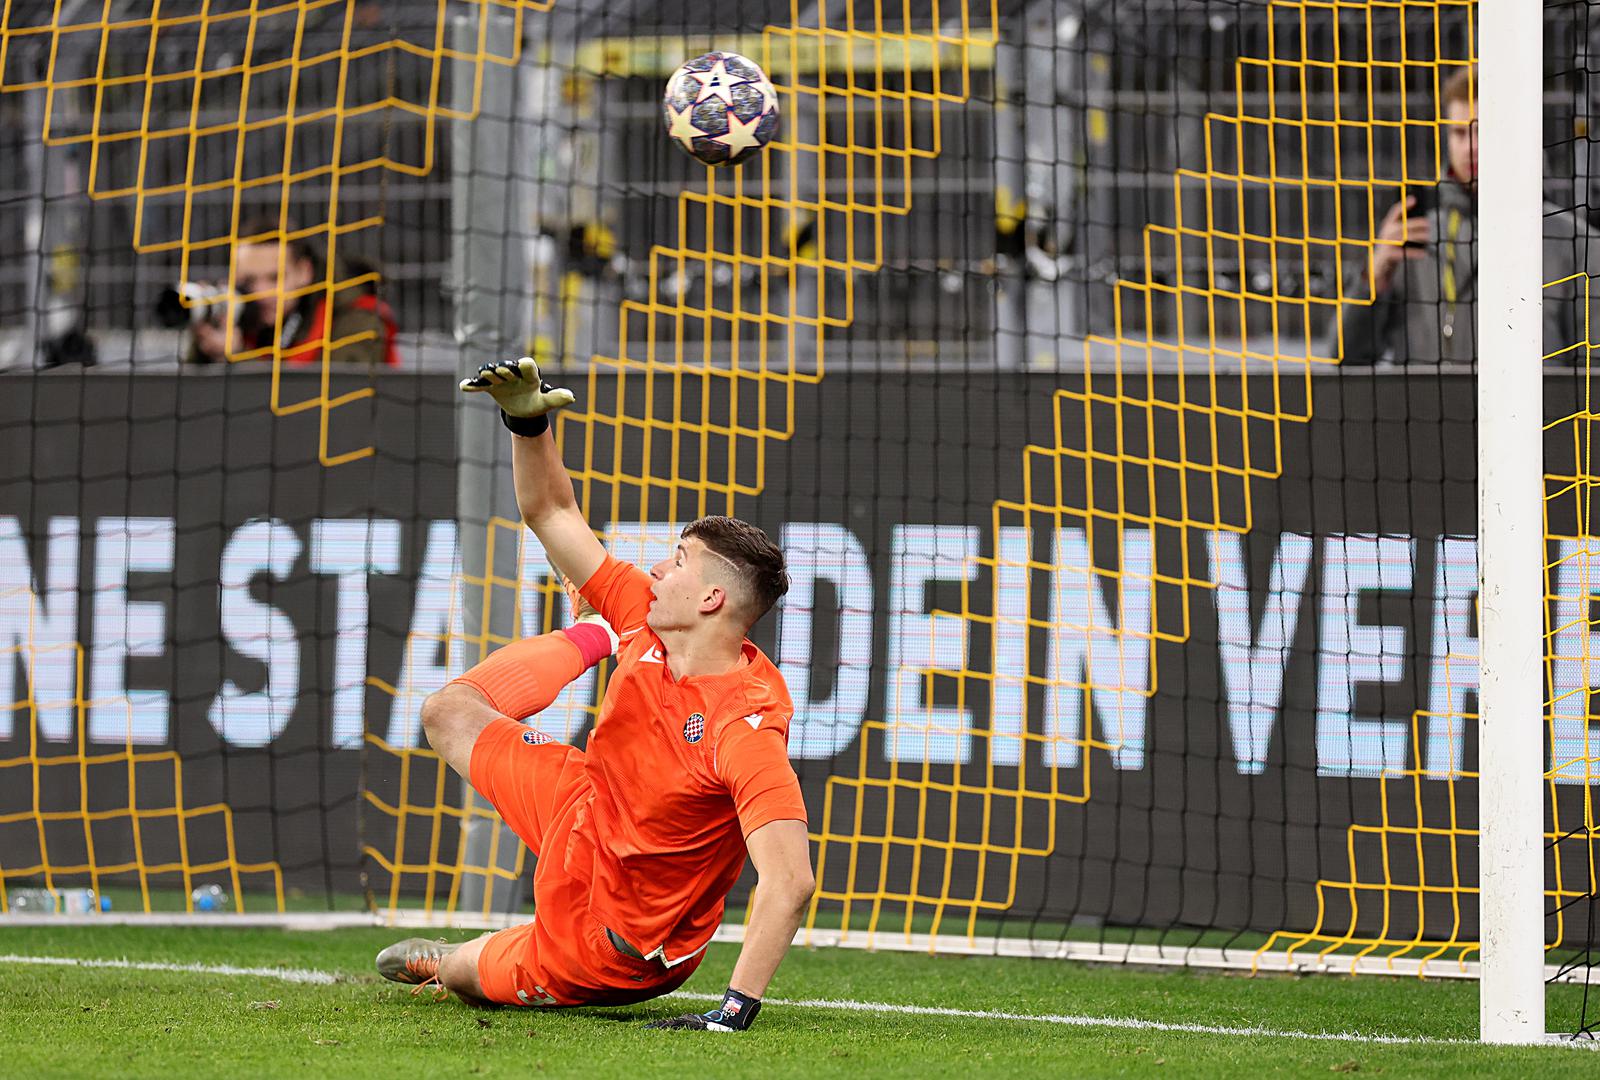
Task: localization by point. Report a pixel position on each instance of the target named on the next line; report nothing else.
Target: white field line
(1301, 962)
(1124, 1023)
(1128, 1023)
(294, 975)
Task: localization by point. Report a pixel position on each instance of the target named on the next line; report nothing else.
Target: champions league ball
(720, 108)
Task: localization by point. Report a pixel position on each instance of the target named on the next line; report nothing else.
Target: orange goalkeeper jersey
(682, 770)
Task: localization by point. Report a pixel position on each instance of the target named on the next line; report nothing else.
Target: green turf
(106, 1023)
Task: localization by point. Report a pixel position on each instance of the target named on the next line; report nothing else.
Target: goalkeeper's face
(690, 586)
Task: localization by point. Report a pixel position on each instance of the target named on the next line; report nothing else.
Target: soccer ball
(720, 108)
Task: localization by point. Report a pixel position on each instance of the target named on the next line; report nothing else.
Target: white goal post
(1511, 523)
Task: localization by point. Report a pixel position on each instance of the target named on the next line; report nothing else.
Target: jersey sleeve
(754, 764)
(620, 592)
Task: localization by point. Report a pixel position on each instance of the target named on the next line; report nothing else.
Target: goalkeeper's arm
(544, 490)
(781, 853)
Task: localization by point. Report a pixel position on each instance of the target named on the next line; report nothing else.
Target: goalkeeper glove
(523, 397)
(736, 1013)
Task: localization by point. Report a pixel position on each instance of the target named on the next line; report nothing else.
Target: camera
(189, 302)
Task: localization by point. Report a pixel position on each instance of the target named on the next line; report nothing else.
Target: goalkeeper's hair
(757, 562)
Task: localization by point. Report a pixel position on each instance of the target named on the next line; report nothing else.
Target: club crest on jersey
(535, 737)
(694, 728)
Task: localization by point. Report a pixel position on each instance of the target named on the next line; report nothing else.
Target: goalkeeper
(640, 836)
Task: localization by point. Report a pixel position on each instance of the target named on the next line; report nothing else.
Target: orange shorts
(563, 957)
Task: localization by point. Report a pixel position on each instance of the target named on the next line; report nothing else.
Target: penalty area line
(1122, 1023)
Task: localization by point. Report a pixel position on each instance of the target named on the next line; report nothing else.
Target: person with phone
(1416, 301)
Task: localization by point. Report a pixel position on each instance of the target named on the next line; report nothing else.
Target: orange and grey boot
(415, 961)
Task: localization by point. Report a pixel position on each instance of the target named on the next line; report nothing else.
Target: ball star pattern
(720, 108)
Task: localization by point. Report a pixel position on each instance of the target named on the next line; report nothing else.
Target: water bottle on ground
(31, 901)
(209, 898)
(36, 901)
(83, 902)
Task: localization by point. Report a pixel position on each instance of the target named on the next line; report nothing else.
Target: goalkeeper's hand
(736, 1013)
(516, 387)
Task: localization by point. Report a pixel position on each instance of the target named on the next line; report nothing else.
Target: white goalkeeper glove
(524, 398)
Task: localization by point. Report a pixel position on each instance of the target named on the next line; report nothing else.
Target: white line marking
(294, 975)
(1125, 1023)
(1129, 1023)
(1096, 952)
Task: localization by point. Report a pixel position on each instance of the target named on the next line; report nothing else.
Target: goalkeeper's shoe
(517, 388)
(736, 1013)
(415, 961)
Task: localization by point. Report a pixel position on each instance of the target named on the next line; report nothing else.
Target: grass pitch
(114, 1022)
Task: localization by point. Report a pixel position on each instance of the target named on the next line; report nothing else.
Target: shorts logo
(535, 737)
(541, 996)
(694, 728)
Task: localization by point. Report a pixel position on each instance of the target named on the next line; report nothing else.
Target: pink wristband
(593, 643)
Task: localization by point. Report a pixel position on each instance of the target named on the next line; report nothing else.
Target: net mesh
(1135, 581)
(211, 117)
(1571, 842)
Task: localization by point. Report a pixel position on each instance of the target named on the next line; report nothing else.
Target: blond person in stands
(1424, 272)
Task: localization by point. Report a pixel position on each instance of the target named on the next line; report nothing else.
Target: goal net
(1122, 449)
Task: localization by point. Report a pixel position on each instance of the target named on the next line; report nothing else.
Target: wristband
(526, 426)
(737, 1011)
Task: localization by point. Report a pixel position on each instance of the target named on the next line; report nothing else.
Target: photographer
(281, 300)
(1424, 272)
